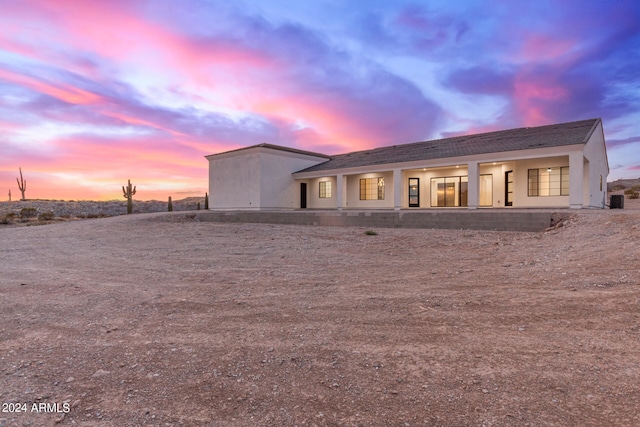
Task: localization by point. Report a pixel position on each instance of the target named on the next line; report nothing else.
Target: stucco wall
(234, 181)
(256, 178)
(353, 191)
(498, 173)
(425, 182)
(598, 170)
(278, 189)
(313, 193)
(521, 177)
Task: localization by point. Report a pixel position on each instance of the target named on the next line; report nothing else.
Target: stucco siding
(353, 191)
(256, 178)
(267, 176)
(234, 182)
(313, 193)
(598, 170)
(521, 177)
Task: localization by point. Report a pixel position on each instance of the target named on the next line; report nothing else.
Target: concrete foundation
(502, 220)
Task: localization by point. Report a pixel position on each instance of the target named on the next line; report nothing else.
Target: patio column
(576, 179)
(339, 192)
(397, 189)
(473, 185)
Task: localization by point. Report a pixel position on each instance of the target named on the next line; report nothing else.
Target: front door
(414, 192)
(303, 195)
(508, 188)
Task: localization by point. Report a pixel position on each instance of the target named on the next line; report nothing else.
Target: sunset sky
(93, 93)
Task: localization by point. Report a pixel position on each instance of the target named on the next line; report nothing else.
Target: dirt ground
(163, 320)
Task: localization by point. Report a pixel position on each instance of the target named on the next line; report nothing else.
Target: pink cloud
(8, 127)
(62, 91)
(533, 92)
(95, 167)
(133, 120)
(120, 31)
(543, 47)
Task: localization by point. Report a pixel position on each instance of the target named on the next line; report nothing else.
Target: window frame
(554, 187)
(325, 190)
(461, 199)
(370, 187)
(480, 193)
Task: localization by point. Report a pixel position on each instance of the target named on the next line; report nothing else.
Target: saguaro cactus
(206, 201)
(22, 185)
(9, 194)
(170, 205)
(128, 193)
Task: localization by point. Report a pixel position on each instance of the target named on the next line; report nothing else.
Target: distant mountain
(622, 184)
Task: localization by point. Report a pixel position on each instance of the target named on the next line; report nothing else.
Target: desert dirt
(165, 320)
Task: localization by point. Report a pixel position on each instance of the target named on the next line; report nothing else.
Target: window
(548, 182)
(486, 190)
(449, 191)
(414, 192)
(325, 189)
(372, 188)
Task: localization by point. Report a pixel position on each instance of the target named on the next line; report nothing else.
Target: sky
(93, 93)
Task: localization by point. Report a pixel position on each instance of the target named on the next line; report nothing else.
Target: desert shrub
(10, 215)
(4, 220)
(46, 216)
(28, 212)
(96, 215)
(618, 187)
(632, 192)
(65, 216)
(81, 216)
(370, 233)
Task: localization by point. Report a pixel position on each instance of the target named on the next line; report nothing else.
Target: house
(554, 166)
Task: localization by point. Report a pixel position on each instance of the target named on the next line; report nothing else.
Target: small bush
(632, 192)
(4, 220)
(81, 216)
(10, 215)
(46, 216)
(370, 233)
(618, 187)
(28, 212)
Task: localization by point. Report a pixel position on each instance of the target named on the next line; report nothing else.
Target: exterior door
(303, 195)
(508, 188)
(414, 192)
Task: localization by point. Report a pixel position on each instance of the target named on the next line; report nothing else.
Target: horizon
(93, 94)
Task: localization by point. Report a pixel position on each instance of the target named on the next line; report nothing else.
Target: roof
(492, 142)
(274, 147)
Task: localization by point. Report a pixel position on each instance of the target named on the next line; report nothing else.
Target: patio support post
(397, 189)
(339, 191)
(576, 179)
(473, 196)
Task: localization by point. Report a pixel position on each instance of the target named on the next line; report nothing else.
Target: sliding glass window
(325, 189)
(548, 182)
(372, 188)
